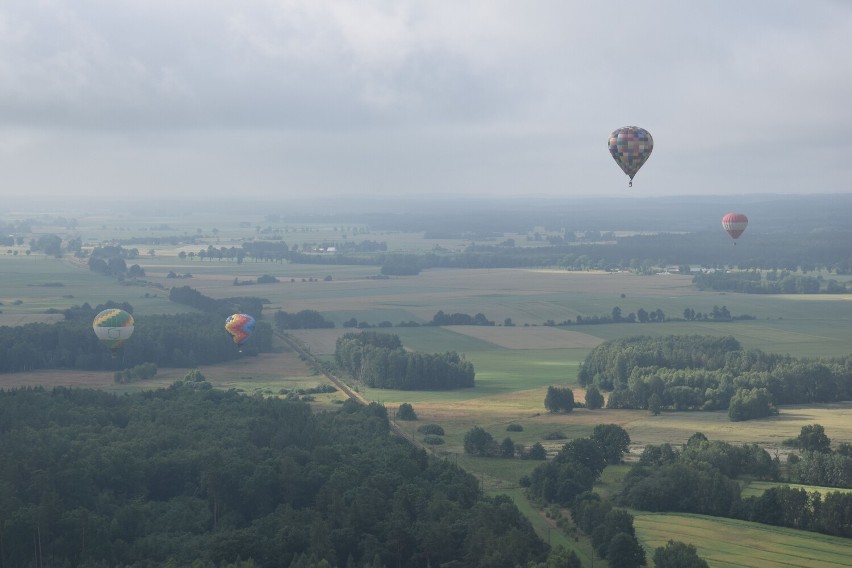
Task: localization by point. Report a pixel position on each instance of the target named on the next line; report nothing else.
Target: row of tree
(710, 373)
(480, 442)
(193, 476)
(440, 318)
(746, 282)
(379, 360)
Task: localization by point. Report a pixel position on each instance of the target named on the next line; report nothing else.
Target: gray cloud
(99, 97)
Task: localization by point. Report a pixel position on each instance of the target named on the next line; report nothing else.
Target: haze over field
(153, 100)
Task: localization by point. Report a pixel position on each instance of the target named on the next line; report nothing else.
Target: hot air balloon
(113, 327)
(630, 147)
(734, 224)
(240, 326)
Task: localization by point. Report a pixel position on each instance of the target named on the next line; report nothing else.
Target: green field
(729, 543)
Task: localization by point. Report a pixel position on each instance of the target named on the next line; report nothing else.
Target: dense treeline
(379, 360)
(194, 476)
(701, 478)
(752, 283)
(305, 319)
(224, 307)
(711, 373)
(182, 340)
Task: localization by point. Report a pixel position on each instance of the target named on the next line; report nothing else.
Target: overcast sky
(163, 99)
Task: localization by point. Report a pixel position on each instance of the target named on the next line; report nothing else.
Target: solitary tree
(406, 412)
(559, 399)
(812, 438)
(613, 440)
(594, 398)
(478, 442)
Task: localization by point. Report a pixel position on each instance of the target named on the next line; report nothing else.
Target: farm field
(728, 543)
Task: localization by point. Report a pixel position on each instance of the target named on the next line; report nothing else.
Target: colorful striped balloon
(113, 327)
(240, 326)
(630, 147)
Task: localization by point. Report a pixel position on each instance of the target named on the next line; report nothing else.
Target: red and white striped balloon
(734, 224)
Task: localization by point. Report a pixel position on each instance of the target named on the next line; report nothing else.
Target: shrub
(555, 436)
(433, 440)
(514, 428)
(478, 442)
(434, 429)
(406, 412)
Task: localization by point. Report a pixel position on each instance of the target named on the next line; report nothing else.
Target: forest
(190, 475)
(710, 373)
(181, 340)
(379, 360)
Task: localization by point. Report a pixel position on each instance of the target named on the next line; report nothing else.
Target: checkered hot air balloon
(734, 224)
(630, 147)
(113, 327)
(240, 326)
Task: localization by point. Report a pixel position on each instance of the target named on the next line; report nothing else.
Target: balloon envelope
(630, 147)
(240, 326)
(734, 224)
(113, 327)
